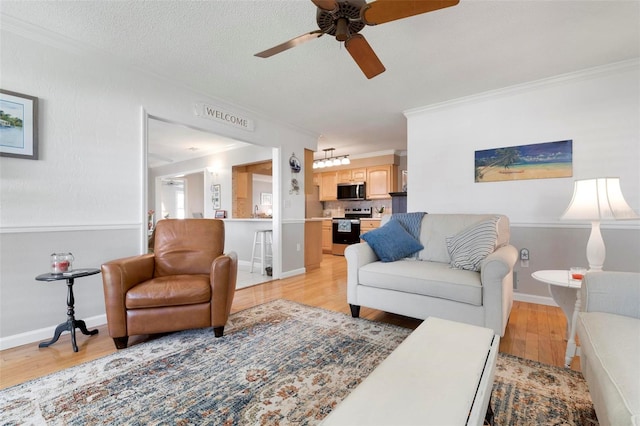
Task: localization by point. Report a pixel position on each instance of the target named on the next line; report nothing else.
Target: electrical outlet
(524, 258)
(298, 247)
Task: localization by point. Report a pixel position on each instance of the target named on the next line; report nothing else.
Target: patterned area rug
(278, 363)
(530, 393)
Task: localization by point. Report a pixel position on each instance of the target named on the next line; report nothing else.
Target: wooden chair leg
(218, 331)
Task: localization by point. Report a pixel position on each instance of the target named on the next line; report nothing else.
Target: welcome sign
(220, 115)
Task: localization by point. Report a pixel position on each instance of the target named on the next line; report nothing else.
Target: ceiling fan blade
(328, 5)
(289, 44)
(381, 11)
(363, 54)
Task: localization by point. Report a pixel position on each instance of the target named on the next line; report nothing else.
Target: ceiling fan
(345, 18)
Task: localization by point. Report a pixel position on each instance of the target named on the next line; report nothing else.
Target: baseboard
(292, 273)
(45, 334)
(532, 298)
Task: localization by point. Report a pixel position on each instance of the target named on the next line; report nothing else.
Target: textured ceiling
(476, 46)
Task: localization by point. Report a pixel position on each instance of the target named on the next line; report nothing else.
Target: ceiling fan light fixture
(342, 30)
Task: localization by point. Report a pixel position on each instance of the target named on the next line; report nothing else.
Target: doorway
(184, 165)
(172, 202)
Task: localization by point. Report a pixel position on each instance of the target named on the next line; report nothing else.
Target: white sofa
(609, 331)
(428, 286)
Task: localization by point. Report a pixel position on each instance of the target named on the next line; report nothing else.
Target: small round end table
(72, 323)
(566, 293)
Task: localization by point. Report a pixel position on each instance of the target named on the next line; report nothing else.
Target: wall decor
(223, 116)
(215, 196)
(266, 199)
(295, 166)
(18, 125)
(536, 161)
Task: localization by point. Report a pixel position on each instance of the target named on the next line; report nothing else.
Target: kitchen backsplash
(336, 208)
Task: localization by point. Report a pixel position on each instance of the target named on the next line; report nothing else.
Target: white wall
(87, 188)
(598, 109)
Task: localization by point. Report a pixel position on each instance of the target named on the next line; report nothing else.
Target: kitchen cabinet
(381, 180)
(327, 236)
(369, 224)
(312, 245)
(328, 186)
(352, 175)
(308, 172)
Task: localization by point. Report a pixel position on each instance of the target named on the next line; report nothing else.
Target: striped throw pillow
(471, 246)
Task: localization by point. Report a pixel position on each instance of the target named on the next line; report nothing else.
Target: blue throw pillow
(392, 242)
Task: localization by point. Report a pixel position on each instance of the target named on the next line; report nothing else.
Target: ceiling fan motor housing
(350, 10)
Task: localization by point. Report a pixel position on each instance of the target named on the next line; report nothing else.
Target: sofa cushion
(610, 345)
(391, 242)
(426, 278)
(437, 227)
(470, 247)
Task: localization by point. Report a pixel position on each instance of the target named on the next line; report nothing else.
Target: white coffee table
(566, 294)
(442, 374)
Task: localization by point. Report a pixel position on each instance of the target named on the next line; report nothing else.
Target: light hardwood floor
(535, 332)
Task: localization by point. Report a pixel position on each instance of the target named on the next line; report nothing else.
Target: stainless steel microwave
(351, 191)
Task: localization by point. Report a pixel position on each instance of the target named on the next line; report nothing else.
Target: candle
(577, 273)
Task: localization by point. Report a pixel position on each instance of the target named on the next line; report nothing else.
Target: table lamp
(596, 200)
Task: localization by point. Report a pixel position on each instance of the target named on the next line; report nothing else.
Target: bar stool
(264, 239)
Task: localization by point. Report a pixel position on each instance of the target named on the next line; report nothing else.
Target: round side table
(72, 323)
(566, 293)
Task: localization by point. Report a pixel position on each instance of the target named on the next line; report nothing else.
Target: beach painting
(18, 125)
(535, 161)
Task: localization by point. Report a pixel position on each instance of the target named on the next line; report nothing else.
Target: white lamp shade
(598, 199)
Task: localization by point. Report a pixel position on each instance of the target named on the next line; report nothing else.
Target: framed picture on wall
(220, 214)
(266, 199)
(215, 196)
(18, 125)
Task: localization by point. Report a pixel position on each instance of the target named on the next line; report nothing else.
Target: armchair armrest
(611, 292)
(224, 273)
(118, 276)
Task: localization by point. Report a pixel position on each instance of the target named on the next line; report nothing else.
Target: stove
(358, 213)
(346, 230)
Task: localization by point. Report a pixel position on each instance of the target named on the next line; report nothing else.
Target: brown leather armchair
(187, 282)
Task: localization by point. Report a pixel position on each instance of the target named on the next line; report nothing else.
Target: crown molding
(35, 33)
(561, 79)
